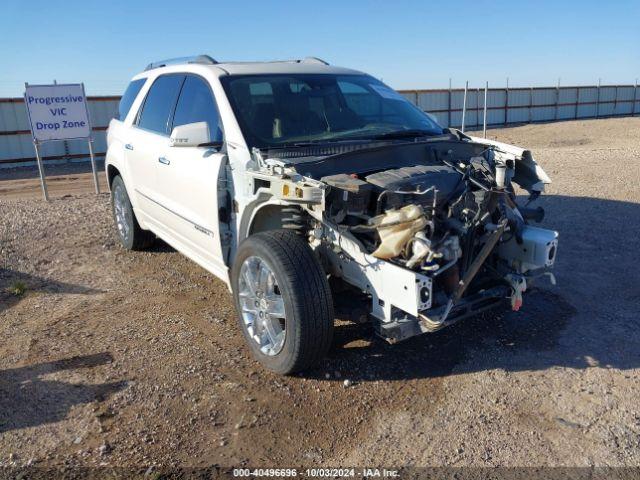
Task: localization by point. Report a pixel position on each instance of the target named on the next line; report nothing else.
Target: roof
(310, 65)
(254, 68)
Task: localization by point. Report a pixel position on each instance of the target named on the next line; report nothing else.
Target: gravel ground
(130, 359)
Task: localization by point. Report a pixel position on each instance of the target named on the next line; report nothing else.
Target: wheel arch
(112, 172)
(261, 215)
(115, 165)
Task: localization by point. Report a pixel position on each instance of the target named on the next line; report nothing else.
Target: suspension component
(293, 218)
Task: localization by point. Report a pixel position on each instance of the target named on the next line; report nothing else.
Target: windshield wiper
(324, 142)
(318, 143)
(405, 134)
(397, 134)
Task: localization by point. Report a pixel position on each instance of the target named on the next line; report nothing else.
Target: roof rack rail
(201, 59)
(313, 60)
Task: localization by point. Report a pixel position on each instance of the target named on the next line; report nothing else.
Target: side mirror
(190, 135)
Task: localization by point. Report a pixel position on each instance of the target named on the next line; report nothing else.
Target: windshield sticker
(386, 92)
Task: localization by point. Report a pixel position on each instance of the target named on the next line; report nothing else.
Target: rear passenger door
(191, 180)
(147, 141)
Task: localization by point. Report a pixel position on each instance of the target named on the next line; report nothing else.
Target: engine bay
(454, 218)
(440, 219)
(422, 214)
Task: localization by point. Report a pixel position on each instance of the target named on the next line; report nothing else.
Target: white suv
(306, 187)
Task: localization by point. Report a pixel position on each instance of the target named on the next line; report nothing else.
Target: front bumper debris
(429, 320)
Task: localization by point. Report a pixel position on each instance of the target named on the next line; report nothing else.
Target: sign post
(56, 113)
(43, 183)
(93, 166)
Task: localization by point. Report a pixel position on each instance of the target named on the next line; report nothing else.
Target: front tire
(283, 301)
(131, 235)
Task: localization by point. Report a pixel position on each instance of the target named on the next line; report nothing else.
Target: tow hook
(518, 286)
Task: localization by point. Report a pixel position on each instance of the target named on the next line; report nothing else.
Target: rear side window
(196, 104)
(158, 106)
(129, 96)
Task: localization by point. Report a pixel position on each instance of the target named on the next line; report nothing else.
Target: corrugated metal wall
(523, 105)
(504, 107)
(15, 137)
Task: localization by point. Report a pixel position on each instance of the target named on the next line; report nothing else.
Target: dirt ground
(61, 180)
(135, 359)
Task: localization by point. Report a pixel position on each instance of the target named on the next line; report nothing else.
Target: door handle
(164, 160)
(128, 146)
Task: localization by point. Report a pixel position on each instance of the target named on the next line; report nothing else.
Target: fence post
(577, 101)
(464, 103)
(449, 111)
(477, 107)
(557, 98)
(506, 103)
(530, 104)
(635, 90)
(598, 99)
(484, 115)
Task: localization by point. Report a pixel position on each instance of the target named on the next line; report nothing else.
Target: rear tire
(131, 235)
(290, 293)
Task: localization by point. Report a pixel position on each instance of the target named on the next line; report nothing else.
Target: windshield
(291, 109)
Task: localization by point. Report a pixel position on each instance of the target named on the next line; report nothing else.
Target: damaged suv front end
(417, 226)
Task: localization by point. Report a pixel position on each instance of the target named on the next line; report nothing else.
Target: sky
(407, 44)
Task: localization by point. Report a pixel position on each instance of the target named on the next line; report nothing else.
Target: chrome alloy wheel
(262, 305)
(122, 212)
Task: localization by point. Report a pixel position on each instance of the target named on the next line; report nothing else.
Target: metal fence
(505, 106)
(16, 146)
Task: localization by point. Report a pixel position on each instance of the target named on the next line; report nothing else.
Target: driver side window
(196, 104)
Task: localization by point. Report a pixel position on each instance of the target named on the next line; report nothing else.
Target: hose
(417, 191)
